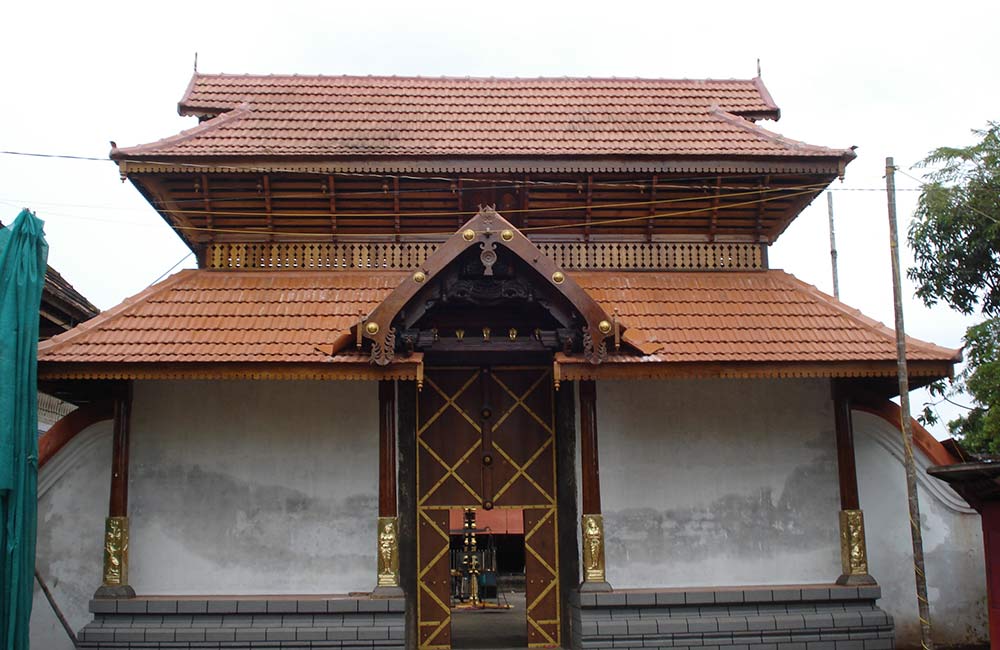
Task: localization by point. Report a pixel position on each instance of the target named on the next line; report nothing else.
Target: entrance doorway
(486, 442)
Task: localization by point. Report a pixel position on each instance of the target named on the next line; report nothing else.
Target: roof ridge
(765, 95)
(131, 302)
(241, 111)
(857, 315)
(250, 75)
(747, 125)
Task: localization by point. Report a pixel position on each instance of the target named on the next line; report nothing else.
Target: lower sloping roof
(278, 323)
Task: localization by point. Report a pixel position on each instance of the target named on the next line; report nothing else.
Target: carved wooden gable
(488, 285)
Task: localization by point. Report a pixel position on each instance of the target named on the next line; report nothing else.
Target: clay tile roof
(290, 316)
(750, 316)
(343, 116)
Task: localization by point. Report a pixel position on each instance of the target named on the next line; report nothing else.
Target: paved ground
(497, 629)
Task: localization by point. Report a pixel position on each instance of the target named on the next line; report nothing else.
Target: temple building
(445, 329)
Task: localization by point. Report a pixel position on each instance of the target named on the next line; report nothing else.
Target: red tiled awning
(281, 324)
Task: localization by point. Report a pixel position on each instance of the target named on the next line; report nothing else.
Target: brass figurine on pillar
(388, 552)
(593, 549)
(853, 551)
(114, 583)
(116, 551)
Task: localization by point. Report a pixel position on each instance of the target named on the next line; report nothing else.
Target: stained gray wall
(253, 487)
(718, 482)
(72, 504)
(952, 534)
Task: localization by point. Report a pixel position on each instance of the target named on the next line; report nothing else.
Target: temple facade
(541, 301)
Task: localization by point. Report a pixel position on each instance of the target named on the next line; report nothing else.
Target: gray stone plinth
(253, 622)
(812, 617)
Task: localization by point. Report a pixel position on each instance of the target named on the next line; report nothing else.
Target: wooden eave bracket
(486, 230)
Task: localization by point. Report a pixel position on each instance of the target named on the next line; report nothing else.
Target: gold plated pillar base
(853, 551)
(594, 575)
(115, 578)
(387, 583)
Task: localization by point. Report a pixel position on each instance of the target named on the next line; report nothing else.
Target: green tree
(955, 237)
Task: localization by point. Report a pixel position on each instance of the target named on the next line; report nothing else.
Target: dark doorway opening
(487, 568)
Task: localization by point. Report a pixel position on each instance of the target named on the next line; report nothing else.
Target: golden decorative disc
(372, 328)
(419, 277)
(558, 277)
(604, 326)
(469, 235)
(507, 235)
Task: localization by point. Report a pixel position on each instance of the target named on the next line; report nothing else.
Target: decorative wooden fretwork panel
(669, 256)
(486, 438)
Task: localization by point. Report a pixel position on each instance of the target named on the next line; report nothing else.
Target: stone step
(199, 622)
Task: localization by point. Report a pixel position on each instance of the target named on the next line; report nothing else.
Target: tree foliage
(955, 237)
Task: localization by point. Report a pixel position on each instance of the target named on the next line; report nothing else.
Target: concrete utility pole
(833, 246)
(904, 415)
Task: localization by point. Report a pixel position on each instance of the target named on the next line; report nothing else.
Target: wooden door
(486, 439)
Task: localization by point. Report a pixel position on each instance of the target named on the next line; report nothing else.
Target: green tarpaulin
(23, 254)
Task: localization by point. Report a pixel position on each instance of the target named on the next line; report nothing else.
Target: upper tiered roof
(334, 117)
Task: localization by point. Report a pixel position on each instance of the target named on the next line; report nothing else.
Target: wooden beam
(60, 433)
(460, 219)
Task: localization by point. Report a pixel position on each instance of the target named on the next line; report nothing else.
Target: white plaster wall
(952, 536)
(718, 482)
(253, 487)
(72, 504)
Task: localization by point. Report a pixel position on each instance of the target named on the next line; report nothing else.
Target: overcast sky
(893, 78)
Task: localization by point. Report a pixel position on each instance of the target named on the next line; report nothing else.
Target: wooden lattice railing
(677, 256)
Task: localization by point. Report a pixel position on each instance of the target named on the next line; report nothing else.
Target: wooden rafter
(652, 209)
(331, 192)
(268, 209)
(526, 201)
(714, 224)
(761, 208)
(395, 206)
(207, 202)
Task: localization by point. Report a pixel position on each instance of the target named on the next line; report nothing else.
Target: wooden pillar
(592, 521)
(115, 577)
(853, 551)
(990, 513)
(387, 583)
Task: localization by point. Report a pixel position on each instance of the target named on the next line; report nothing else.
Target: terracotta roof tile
(289, 316)
(343, 117)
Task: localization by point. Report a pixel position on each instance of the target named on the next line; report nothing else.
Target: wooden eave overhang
(832, 166)
(572, 369)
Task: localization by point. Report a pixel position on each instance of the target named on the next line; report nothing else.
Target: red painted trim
(889, 411)
(66, 429)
